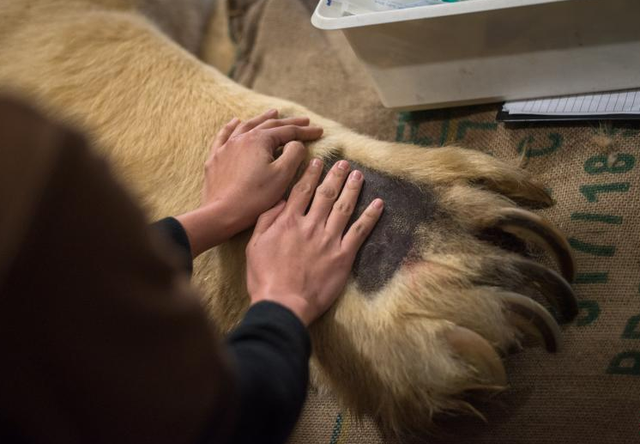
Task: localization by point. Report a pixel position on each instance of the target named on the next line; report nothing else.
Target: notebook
(599, 106)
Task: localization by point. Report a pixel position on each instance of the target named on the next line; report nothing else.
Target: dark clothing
(271, 348)
(173, 229)
(102, 338)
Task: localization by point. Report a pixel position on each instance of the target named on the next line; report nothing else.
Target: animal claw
(555, 289)
(479, 353)
(531, 227)
(533, 320)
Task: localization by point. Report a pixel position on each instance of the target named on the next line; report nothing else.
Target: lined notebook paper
(619, 104)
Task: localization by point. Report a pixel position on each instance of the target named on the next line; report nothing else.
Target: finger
(328, 192)
(352, 241)
(283, 134)
(344, 206)
(252, 123)
(288, 163)
(302, 191)
(274, 123)
(267, 218)
(224, 134)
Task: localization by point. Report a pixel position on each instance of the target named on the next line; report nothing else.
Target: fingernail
(272, 111)
(234, 120)
(343, 165)
(356, 175)
(316, 163)
(378, 203)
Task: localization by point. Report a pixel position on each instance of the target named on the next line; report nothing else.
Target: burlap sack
(589, 392)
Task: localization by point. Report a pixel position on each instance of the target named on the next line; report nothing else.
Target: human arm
(298, 263)
(270, 348)
(297, 266)
(270, 352)
(172, 229)
(242, 177)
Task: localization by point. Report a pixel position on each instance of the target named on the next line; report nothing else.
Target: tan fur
(152, 107)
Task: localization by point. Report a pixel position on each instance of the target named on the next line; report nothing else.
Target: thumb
(267, 218)
(292, 156)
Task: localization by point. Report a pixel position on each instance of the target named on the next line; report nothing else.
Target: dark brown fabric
(590, 391)
(90, 304)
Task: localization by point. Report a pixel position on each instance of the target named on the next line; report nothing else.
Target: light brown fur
(152, 107)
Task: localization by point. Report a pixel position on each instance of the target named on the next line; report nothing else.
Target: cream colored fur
(153, 107)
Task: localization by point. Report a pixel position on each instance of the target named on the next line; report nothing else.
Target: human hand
(303, 261)
(242, 179)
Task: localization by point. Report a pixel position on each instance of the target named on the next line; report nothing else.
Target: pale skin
(297, 258)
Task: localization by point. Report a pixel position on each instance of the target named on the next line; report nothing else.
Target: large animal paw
(444, 288)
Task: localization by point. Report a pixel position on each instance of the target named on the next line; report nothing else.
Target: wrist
(207, 226)
(297, 304)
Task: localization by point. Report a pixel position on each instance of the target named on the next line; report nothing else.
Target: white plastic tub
(481, 51)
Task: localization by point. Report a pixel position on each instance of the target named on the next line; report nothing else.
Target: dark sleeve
(175, 231)
(271, 349)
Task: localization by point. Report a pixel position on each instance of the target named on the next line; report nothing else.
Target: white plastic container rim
(328, 18)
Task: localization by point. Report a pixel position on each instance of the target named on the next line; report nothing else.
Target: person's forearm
(207, 227)
(271, 349)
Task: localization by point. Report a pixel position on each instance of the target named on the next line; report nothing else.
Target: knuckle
(369, 213)
(296, 145)
(325, 241)
(308, 235)
(327, 192)
(337, 172)
(359, 228)
(289, 222)
(344, 257)
(343, 207)
(262, 217)
(266, 138)
(208, 164)
(255, 136)
(302, 188)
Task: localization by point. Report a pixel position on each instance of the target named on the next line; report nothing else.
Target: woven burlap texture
(588, 393)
